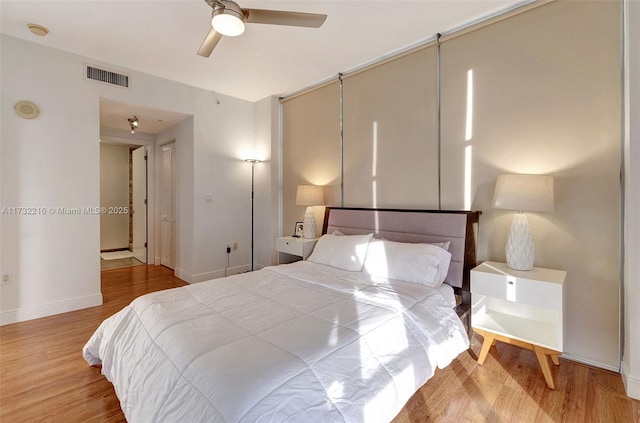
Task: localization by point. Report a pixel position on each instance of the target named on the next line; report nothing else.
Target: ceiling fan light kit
(228, 18)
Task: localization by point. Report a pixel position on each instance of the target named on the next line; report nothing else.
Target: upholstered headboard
(415, 226)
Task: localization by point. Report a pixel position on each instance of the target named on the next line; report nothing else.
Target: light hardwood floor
(43, 377)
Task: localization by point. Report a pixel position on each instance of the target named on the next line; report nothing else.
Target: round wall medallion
(38, 29)
(26, 109)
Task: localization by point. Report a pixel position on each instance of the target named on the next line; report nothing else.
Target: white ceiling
(161, 37)
(115, 115)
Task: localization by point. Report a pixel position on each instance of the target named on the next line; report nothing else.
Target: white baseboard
(631, 382)
(201, 277)
(183, 274)
(591, 363)
(30, 313)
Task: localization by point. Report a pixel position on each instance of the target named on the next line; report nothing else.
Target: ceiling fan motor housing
(228, 8)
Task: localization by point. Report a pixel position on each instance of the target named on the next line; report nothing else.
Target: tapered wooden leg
(541, 352)
(544, 365)
(489, 339)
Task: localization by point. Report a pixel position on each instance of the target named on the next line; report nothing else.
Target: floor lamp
(253, 178)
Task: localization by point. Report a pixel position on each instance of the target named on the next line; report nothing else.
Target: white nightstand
(522, 308)
(301, 247)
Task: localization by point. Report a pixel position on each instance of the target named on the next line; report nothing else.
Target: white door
(140, 204)
(168, 207)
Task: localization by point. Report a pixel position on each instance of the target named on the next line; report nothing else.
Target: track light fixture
(133, 123)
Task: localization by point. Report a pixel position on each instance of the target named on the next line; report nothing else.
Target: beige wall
(114, 192)
(267, 181)
(310, 151)
(545, 99)
(631, 352)
(390, 118)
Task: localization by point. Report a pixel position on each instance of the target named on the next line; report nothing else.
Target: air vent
(106, 76)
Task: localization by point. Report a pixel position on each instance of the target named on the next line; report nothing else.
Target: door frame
(151, 188)
(155, 213)
(159, 154)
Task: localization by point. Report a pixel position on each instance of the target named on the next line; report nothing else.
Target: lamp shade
(524, 193)
(309, 195)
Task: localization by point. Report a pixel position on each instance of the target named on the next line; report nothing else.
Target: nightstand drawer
(301, 247)
(289, 245)
(539, 287)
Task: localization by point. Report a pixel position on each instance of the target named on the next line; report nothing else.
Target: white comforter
(293, 343)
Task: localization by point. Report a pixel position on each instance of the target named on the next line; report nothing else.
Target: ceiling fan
(228, 18)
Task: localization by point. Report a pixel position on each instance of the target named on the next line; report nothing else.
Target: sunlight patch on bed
(361, 251)
(379, 267)
(405, 381)
(333, 335)
(395, 337)
(336, 390)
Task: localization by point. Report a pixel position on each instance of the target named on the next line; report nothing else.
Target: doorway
(138, 215)
(123, 202)
(156, 130)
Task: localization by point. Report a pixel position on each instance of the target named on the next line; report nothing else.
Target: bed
(305, 341)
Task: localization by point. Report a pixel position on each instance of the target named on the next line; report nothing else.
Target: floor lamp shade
(522, 193)
(309, 195)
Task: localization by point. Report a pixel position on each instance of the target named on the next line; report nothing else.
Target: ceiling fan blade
(209, 43)
(280, 17)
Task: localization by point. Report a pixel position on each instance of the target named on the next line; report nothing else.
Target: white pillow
(444, 245)
(346, 252)
(425, 264)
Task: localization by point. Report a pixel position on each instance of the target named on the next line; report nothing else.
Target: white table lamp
(522, 193)
(309, 195)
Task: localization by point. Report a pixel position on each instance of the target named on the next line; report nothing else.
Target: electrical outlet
(235, 246)
(228, 248)
(6, 278)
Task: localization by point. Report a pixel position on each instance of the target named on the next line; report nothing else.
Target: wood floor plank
(42, 373)
(43, 377)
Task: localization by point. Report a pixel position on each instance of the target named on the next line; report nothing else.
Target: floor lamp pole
(253, 172)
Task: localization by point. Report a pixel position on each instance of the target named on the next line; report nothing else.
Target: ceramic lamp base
(519, 251)
(309, 229)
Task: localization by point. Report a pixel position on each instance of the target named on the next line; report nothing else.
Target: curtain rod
(361, 68)
(495, 18)
(443, 37)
